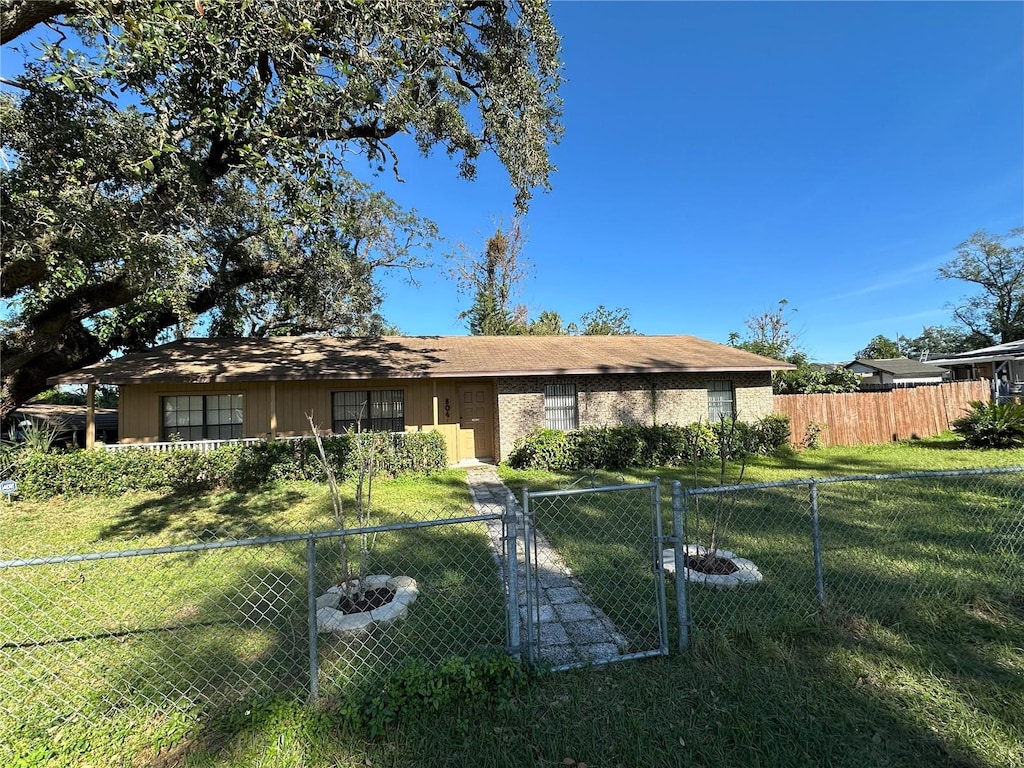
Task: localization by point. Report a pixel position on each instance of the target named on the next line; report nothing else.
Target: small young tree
(337, 504)
(493, 278)
(733, 441)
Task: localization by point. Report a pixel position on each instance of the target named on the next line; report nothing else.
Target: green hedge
(641, 446)
(235, 466)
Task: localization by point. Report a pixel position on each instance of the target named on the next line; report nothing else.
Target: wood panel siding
(140, 418)
(859, 418)
(287, 403)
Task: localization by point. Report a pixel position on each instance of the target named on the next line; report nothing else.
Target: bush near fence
(859, 418)
(637, 445)
(237, 467)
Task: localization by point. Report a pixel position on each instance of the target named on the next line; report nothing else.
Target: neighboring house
(69, 421)
(481, 392)
(991, 363)
(896, 372)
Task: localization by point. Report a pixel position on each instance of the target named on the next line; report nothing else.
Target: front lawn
(919, 663)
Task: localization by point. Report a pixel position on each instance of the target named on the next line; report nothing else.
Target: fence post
(819, 569)
(512, 576)
(532, 625)
(314, 655)
(682, 605)
(659, 543)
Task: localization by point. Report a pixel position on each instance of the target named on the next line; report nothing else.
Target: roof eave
(80, 377)
(950, 362)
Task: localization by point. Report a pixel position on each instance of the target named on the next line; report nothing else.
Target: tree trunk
(19, 16)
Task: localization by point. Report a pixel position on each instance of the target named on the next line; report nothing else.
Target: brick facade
(660, 398)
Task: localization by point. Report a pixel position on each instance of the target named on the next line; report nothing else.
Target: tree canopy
(933, 341)
(769, 334)
(172, 159)
(939, 341)
(603, 322)
(995, 264)
(880, 348)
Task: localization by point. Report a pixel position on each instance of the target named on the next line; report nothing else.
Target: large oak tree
(169, 159)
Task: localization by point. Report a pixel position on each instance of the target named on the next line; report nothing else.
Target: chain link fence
(451, 599)
(139, 642)
(875, 546)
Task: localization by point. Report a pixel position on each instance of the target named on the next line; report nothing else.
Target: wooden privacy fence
(857, 418)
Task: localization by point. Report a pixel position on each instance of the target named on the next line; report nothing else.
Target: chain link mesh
(134, 642)
(455, 594)
(137, 642)
(112, 643)
(770, 527)
(888, 545)
(595, 593)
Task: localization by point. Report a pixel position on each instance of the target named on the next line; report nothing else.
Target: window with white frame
(721, 401)
(560, 411)
(378, 410)
(201, 417)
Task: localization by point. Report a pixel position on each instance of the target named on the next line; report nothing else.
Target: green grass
(119, 655)
(920, 662)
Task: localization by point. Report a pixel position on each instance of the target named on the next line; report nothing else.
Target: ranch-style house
(481, 392)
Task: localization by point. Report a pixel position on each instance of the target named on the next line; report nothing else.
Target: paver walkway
(572, 629)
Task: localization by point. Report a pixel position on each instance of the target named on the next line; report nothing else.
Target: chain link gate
(593, 586)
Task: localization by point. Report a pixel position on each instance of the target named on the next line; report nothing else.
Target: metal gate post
(314, 654)
(679, 533)
(659, 540)
(532, 621)
(512, 576)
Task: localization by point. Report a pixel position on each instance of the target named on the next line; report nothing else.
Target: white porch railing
(203, 446)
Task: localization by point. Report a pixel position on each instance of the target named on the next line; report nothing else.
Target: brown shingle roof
(900, 366)
(296, 358)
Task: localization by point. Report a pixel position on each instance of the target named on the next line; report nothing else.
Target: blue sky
(721, 156)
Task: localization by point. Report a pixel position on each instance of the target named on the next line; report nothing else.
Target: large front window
(202, 417)
(380, 410)
(721, 403)
(560, 410)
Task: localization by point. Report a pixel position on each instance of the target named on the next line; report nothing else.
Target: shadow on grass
(158, 655)
(236, 514)
(800, 699)
(924, 591)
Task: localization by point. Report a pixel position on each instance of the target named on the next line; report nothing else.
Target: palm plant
(992, 425)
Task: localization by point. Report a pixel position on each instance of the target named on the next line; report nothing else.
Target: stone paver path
(572, 629)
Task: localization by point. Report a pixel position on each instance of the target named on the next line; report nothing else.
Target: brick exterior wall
(663, 398)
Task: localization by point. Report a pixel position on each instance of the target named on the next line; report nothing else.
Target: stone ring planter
(330, 619)
(746, 572)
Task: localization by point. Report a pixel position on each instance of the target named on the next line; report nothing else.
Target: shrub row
(642, 446)
(239, 466)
